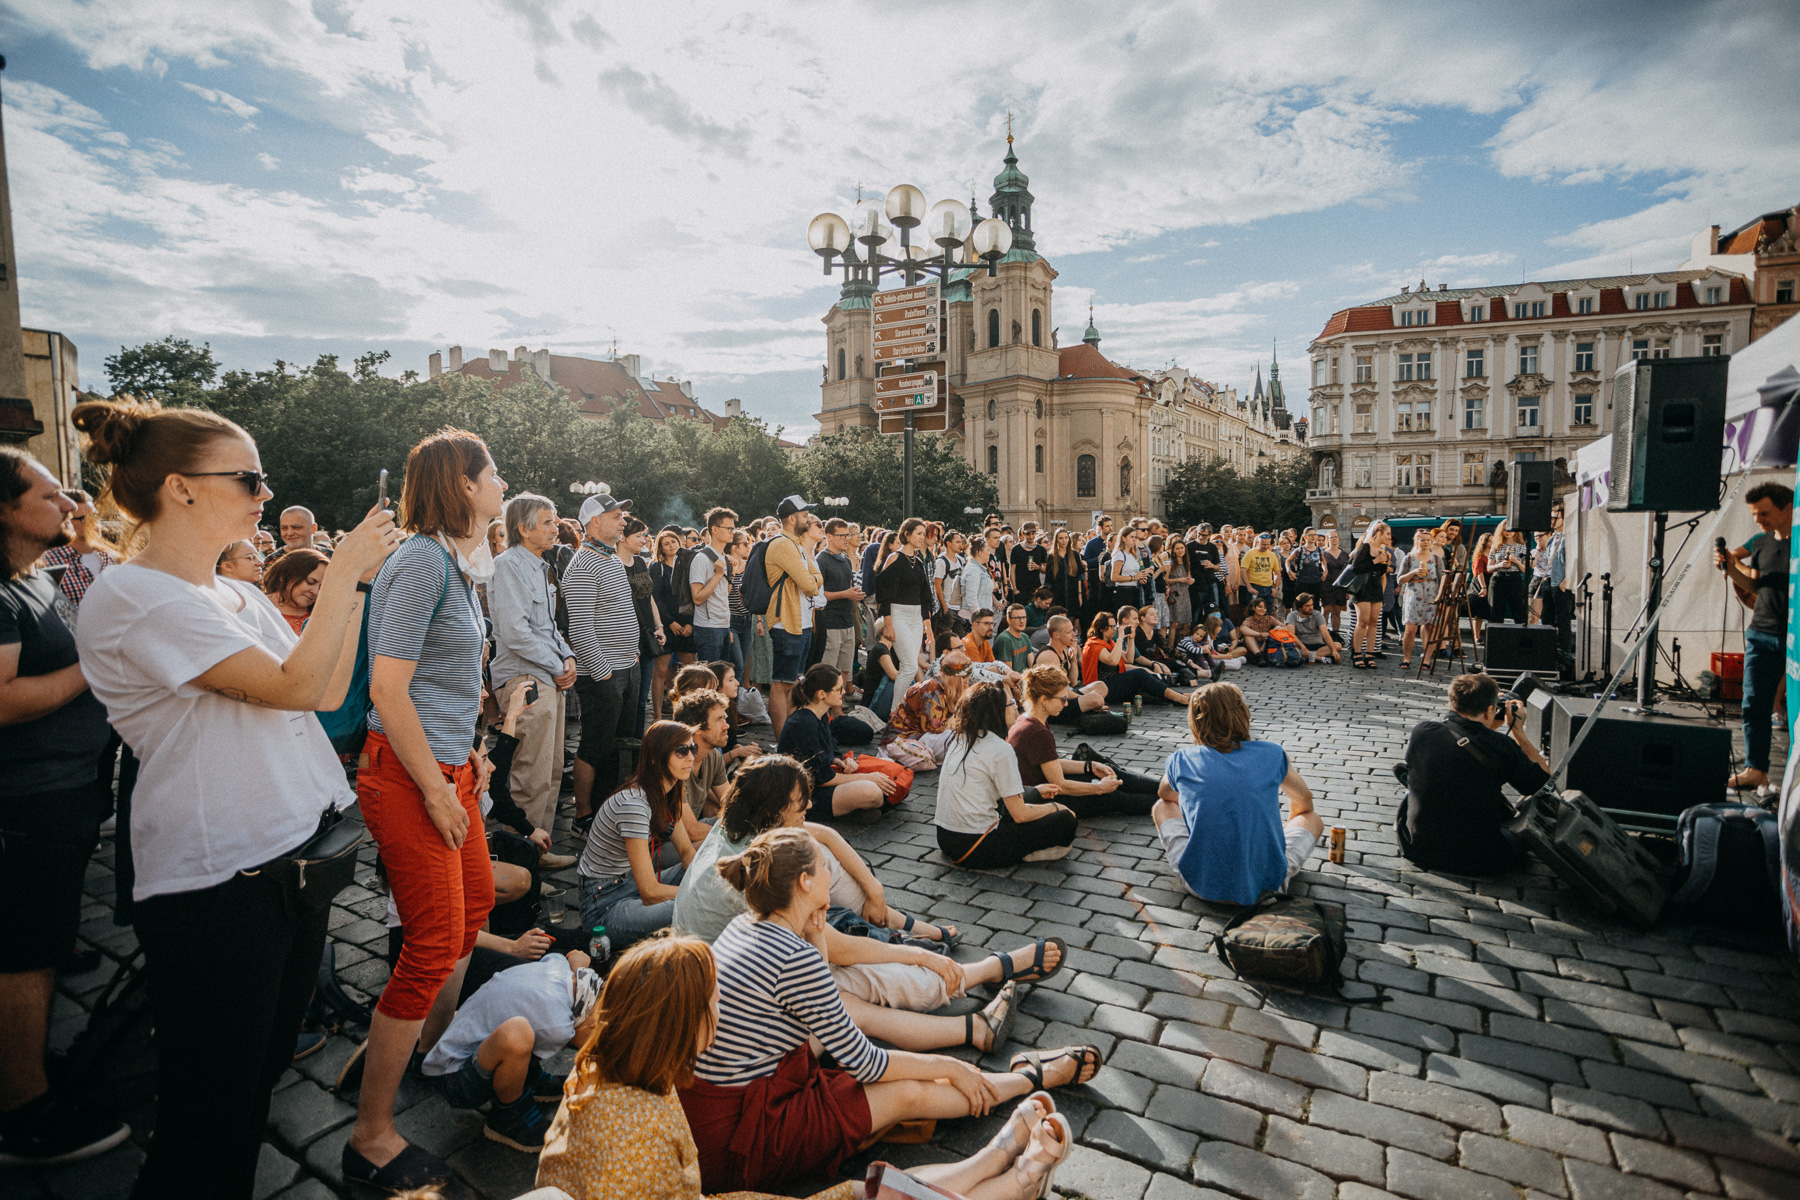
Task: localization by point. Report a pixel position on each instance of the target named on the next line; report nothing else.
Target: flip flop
(1030, 1064)
(412, 1168)
(1035, 973)
(998, 1014)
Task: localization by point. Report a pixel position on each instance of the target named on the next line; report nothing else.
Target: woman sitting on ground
(620, 886)
(1219, 811)
(735, 747)
(292, 582)
(621, 1130)
(986, 817)
(838, 787)
(1087, 789)
(761, 1108)
(1254, 631)
(1101, 659)
(885, 986)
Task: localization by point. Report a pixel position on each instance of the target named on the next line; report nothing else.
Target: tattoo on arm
(240, 695)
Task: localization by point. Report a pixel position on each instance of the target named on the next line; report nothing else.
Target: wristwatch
(364, 587)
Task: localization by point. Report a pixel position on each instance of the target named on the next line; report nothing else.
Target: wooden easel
(1446, 626)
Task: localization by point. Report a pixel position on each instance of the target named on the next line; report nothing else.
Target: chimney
(1443, 287)
(631, 363)
(521, 355)
(497, 361)
(734, 407)
(455, 358)
(437, 364)
(540, 362)
(687, 388)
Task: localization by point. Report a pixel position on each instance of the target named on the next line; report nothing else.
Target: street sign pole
(906, 467)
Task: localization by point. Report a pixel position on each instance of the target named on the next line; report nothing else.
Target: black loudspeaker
(1528, 499)
(1643, 769)
(1514, 648)
(1668, 434)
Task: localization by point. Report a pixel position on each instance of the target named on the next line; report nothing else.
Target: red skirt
(799, 1123)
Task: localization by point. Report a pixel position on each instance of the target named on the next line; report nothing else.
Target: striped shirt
(774, 990)
(424, 613)
(603, 623)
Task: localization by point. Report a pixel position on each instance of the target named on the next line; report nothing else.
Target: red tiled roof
(1752, 236)
(1084, 361)
(599, 385)
(1449, 312)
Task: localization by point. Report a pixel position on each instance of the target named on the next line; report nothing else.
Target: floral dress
(1418, 598)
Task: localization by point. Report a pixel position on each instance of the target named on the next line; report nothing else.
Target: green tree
(1206, 490)
(172, 370)
(870, 471)
(1278, 491)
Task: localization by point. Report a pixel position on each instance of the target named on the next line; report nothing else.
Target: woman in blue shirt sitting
(1219, 807)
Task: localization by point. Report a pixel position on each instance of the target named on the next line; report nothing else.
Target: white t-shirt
(222, 785)
(1125, 565)
(971, 785)
(715, 611)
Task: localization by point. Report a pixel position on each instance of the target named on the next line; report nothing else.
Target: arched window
(993, 327)
(993, 460)
(840, 362)
(1040, 408)
(1125, 477)
(1084, 475)
(1040, 460)
(1037, 327)
(993, 409)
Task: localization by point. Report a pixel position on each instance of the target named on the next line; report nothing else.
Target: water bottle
(599, 946)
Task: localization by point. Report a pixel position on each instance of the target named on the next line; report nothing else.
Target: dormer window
(1477, 312)
(1648, 300)
(1715, 295)
(1415, 316)
(1526, 309)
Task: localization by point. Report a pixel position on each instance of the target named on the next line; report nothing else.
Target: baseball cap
(604, 502)
(789, 506)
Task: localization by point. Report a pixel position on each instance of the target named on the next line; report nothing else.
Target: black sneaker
(521, 1124)
(43, 1133)
(544, 1086)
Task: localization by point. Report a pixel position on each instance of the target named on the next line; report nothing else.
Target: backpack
(1103, 722)
(758, 592)
(1732, 855)
(684, 590)
(1286, 939)
(953, 590)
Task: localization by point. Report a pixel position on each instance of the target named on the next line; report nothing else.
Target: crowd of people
(426, 666)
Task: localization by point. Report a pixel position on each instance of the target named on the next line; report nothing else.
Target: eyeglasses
(687, 751)
(253, 481)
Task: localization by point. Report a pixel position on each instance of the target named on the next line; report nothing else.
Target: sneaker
(43, 1133)
(544, 1086)
(521, 1124)
(310, 1041)
(555, 862)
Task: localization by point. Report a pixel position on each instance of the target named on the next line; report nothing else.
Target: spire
(1012, 198)
(1277, 398)
(1257, 394)
(1092, 336)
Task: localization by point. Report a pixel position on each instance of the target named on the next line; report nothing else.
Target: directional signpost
(910, 393)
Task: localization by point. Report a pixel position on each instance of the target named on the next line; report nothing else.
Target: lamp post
(884, 229)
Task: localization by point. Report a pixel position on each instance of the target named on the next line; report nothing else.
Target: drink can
(1338, 835)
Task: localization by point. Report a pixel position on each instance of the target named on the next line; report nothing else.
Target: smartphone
(381, 496)
(531, 694)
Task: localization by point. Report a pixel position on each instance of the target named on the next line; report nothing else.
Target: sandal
(412, 1168)
(948, 935)
(1015, 1135)
(1036, 972)
(1030, 1064)
(1038, 1164)
(997, 1015)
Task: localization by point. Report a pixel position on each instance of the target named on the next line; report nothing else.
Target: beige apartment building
(1766, 252)
(1421, 400)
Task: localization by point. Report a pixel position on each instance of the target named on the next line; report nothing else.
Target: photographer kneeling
(1454, 815)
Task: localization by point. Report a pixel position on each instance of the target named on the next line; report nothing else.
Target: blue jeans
(790, 654)
(1763, 664)
(741, 630)
(882, 702)
(615, 903)
(711, 644)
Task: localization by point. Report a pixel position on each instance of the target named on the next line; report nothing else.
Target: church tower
(847, 393)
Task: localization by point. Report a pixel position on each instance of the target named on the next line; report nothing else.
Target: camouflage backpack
(1285, 939)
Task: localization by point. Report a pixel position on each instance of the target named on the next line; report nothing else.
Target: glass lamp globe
(992, 238)
(868, 223)
(905, 206)
(829, 235)
(947, 224)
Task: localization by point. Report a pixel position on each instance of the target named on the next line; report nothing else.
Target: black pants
(1506, 597)
(1008, 842)
(1135, 681)
(608, 712)
(231, 970)
(1134, 796)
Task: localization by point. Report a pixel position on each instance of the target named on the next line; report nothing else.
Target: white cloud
(224, 102)
(269, 161)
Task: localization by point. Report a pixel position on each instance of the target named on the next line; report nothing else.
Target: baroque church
(1063, 430)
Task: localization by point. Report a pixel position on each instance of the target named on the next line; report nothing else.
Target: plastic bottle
(599, 946)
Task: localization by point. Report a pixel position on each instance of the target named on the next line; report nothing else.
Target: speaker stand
(1646, 682)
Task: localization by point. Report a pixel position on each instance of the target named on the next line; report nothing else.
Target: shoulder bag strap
(1703, 858)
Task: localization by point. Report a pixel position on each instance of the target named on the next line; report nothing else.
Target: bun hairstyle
(818, 680)
(769, 869)
(138, 444)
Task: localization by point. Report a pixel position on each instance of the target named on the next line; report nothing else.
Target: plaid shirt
(77, 579)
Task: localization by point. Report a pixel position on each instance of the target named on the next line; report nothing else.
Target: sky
(283, 179)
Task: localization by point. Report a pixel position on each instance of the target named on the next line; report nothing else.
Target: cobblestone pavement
(1528, 1046)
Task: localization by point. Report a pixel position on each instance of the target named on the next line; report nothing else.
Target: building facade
(1421, 400)
(1766, 252)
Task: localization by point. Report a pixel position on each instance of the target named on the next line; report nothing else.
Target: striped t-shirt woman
(424, 611)
(775, 990)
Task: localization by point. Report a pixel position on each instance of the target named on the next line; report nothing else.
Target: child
(493, 1046)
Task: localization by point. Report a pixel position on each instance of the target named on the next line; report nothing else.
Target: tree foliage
(870, 471)
(1212, 491)
(171, 370)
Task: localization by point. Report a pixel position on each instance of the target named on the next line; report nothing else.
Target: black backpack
(684, 591)
(1732, 856)
(756, 589)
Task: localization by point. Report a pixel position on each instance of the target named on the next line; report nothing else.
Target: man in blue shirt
(1091, 554)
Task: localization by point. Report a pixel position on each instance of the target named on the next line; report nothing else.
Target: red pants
(443, 895)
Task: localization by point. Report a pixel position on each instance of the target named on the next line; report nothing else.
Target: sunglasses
(687, 750)
(253, 481)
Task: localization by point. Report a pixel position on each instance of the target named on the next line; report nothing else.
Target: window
(1474, 465)
(1406, 369)
(1640, 348)
(1318, 372)
(1528, 308)
(1334, 370)
(1584, 409)
(1037, 327)
(840, 362)
(1784, 291)
(1412, 472)
(1660, 349)
(1652, 300)
(993, 460)
(1475, 364)
(1715, 295)
(1125, 478)
(1040, 460)
(1477, 312)
(1423, 362)
(1528, 360)
(1084, 475)
(1475, 412)
(993, 408)
(1584, 356)
(1415, 317)
(993, 327)
(1362, 469)
(1410, 416)
(1365, 368)
(1712, 345)
(1585, 305)
(1365, 417)
(1040, 408)
(1528, 414)
(1327, 473)
(1525, 456)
